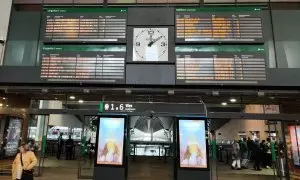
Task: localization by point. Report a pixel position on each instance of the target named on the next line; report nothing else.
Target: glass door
(37, 136)
(88, 142)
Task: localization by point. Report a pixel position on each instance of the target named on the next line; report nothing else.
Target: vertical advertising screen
(110, 141)
(13, 136)
(192, 144)
(295, 141)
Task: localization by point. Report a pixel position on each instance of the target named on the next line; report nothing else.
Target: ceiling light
(80, 101)
(4, 98)
(72, 97)
(7, 105)
(1, 105)
(233, 100)
(224, 103)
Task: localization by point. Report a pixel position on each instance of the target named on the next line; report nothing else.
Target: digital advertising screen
(295, 141)
(192, 144)
(13, 136)
(110, 141)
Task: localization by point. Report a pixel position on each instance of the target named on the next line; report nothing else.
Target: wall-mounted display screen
(110, 141)
(100, 63)
(13, 136)
(85, 25)
(192, 144)
(220, 64)
(151, 1)
(242, 25)
(295, 140)
(57, 1)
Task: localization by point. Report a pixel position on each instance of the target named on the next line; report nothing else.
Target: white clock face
(150, 44)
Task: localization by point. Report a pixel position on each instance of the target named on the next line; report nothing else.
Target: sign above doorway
(152, 108)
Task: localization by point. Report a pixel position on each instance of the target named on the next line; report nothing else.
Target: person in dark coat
(60, 143)
(257, 154)
(69, 148)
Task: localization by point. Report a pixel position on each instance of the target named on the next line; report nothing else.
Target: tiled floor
(146, 169)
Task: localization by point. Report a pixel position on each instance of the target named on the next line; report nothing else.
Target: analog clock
(150, 44)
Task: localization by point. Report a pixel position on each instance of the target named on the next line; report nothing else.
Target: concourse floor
(146, 168)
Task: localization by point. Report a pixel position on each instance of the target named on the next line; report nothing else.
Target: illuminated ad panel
(110, 141)
(192, 144)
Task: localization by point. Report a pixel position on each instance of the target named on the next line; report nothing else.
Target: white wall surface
(5, 8)
(230, 130)
(67, 120)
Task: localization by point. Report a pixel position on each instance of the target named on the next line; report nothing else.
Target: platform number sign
(118, 107)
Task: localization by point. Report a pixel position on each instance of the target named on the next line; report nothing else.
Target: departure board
(101, 63)
(85, 25)
(233, 64)
(242, 25)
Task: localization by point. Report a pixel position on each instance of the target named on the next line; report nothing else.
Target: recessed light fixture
(7, 105)
(1, 105)
(224, 103)
(72, 97)
(80, 101)
(233, 100)
(4, 98)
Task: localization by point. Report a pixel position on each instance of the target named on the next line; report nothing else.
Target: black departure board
(242, 25)
(103, 25)
(233, 64)
(99, 63)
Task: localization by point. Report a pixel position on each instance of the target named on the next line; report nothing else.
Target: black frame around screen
(178, 144)
(124, 160)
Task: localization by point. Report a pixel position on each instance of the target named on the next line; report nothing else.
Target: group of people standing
(259, 153)
(69, 144)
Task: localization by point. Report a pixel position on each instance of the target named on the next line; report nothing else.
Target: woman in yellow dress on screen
(193, 157)
(110, 153)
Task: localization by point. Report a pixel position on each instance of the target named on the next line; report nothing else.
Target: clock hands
(154, 41)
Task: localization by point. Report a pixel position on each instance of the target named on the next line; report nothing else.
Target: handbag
(26, 174)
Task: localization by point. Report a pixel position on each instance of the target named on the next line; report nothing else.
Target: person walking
(257, 153)
(23, 165)
(69, 148)
(236, 156)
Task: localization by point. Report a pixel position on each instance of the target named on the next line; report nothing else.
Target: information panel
(192, 144)
(105, 64)
(85, 25)
(151, 1)
(243, 25)
(110, 141)
(234, 64)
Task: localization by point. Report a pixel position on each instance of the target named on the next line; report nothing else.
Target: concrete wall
(5, 8)
(230, 130)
